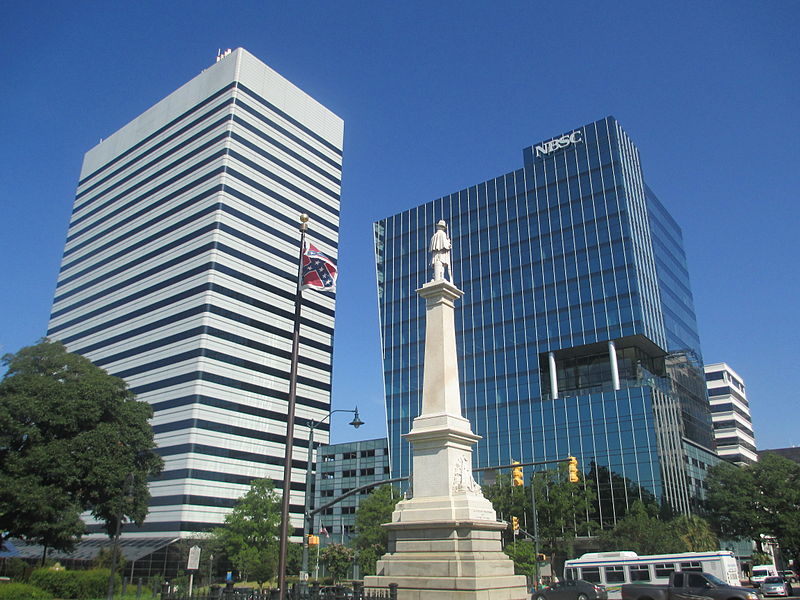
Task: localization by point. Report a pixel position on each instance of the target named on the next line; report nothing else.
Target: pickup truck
(689, 585)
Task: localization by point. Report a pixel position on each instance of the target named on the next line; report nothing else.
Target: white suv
(760, 572)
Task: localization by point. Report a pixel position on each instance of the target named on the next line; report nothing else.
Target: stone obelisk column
(444, 542)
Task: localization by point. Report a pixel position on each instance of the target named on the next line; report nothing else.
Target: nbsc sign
(558, 143)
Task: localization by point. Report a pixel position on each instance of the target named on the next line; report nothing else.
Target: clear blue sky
(437, 96)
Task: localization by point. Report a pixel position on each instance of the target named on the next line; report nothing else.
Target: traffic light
(573, 470)
(313, 540)
(515, 524)
(541, 557)
(517, 478)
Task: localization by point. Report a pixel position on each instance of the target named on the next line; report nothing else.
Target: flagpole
(287, 465)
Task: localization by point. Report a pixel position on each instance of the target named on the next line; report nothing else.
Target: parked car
(776, 586)
(761, 572)
(572, 589)
(789, 576)
(688, 585)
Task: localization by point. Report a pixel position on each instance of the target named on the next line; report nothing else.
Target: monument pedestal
(444, 542)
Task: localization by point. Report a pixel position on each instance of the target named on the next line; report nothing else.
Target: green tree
(563, 510)
(523, 553)
(763, 498)
(641, 531)
(732, 503)
(695, 533)
(72, 438)
(778, 481)
(337, 559)
(371, 538)
(250, 534)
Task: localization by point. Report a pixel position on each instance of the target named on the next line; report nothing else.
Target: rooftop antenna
(221, 54)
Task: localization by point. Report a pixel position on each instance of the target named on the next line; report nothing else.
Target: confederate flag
(319, 271)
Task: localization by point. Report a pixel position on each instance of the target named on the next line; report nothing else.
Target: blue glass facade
(561, 256)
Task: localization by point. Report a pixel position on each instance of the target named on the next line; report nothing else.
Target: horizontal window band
(325, 204)
(336, 164)
(198, 270)
(291, 120)
(186, 314)
(291, 258)
(174, 526)
(110, 229)
(217, 140)
(285, 201)
(180, 474)
(284, 235)
(228, 117)
(284, 217)
(245, 409)
(213, 332)
(196, 376)
(186, 205)
(186, 239)
(193, 500)
(137, 278)
(160, 184)
(223, 358)
(286, 166)
(155, 134)
(242, 432)
(197, 290)
(160, 158)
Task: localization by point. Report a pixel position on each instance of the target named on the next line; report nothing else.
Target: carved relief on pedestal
(463, 483)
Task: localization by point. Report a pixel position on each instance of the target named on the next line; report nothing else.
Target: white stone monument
(444, 542)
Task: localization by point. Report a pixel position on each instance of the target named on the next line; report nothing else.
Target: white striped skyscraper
(179, 275)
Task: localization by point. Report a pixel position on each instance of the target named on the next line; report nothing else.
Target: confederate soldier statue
(440, 248)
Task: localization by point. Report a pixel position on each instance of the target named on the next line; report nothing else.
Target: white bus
(613, 569)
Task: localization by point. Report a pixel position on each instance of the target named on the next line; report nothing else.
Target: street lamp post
(356, 422)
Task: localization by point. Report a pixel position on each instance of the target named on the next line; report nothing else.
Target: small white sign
(194, 559)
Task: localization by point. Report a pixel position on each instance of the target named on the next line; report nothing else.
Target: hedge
(78, 585)
(22, 591)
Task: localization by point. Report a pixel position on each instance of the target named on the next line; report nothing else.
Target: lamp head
(356, 422)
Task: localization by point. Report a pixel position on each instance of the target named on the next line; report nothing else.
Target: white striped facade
(179, 275)
(730, 414)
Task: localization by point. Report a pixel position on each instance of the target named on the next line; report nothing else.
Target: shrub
(78, 585)
(58, 582)
(94, 583)
(22, 591)
(17, 569)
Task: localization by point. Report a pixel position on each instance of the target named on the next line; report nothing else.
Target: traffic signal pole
(518, 479)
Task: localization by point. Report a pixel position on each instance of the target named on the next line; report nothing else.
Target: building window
(367, 453)
(349, 473)
(349, 455)
(367, 472)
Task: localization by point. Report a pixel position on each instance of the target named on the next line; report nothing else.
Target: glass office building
(576, 334)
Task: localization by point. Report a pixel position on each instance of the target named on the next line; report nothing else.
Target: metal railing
(313, 592)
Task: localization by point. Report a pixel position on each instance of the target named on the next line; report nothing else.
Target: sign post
(192, 565)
